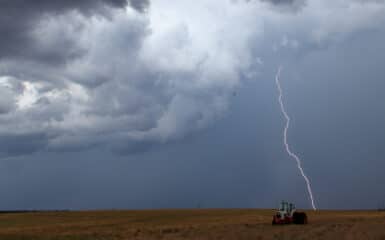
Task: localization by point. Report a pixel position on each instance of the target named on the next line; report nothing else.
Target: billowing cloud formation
(99, 73)
(18, 18)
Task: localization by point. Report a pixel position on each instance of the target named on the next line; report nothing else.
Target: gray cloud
(70, 106)
(140, 5)
(128, 80)
(280, 1)
(79, 81)
(287, 5)
(17, 32)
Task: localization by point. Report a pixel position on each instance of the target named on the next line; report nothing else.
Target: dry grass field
(188, 224)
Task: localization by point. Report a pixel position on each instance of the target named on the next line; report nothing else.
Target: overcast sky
(163, 104)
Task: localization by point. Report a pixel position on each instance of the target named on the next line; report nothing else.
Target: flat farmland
(188, 224)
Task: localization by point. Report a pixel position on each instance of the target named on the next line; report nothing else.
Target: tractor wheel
(299, 218)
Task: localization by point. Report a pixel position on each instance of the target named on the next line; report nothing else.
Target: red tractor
(287, 214)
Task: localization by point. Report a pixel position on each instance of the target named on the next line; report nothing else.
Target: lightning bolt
(287, 147)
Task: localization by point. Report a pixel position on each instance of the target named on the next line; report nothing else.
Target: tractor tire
(299, 218)
(274, 222)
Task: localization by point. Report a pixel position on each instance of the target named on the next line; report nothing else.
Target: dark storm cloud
(128, 102)
(140, 5)
(9, 7)
(18, 19)
(130, 80)
(280, 1)
(287, 5)
(83, 75)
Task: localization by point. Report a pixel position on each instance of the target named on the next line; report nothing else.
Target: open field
(188, 224)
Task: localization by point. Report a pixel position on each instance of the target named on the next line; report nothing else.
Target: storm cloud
(19, 18)
(126, 76)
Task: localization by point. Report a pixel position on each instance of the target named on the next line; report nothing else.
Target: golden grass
(188, 224)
